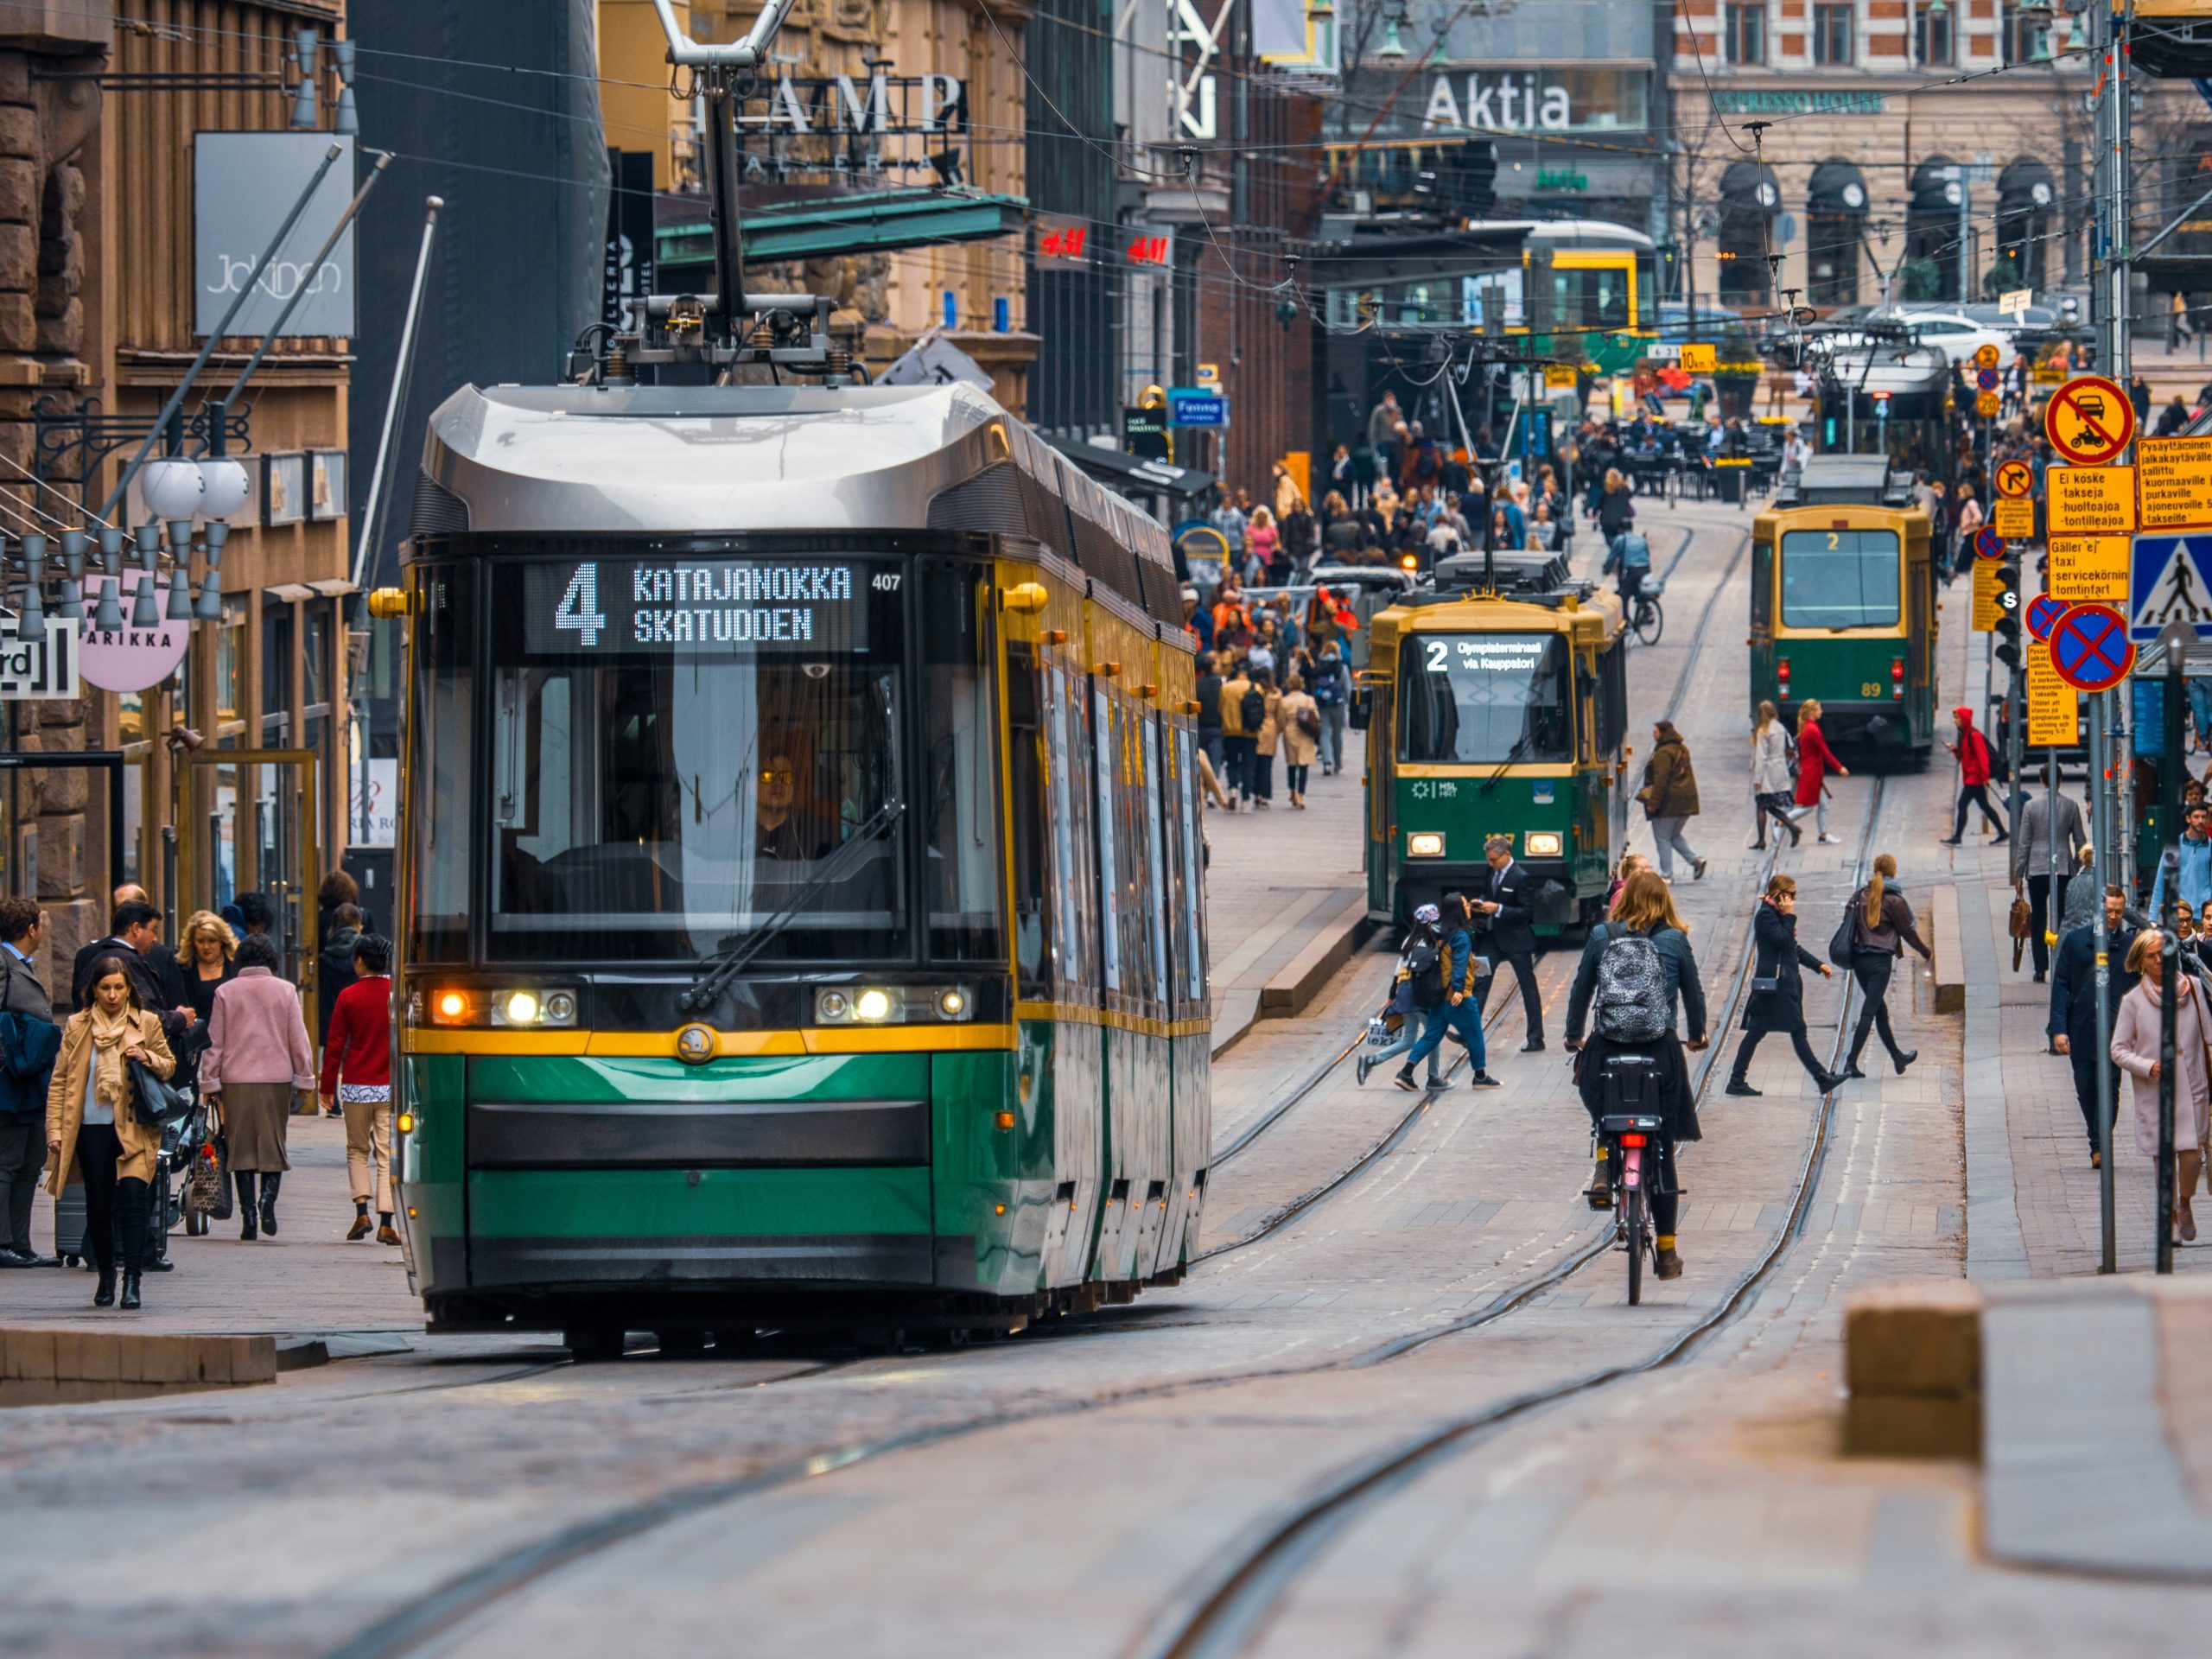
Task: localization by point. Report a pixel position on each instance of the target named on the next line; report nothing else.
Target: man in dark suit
(133, 934)
(1508, 934)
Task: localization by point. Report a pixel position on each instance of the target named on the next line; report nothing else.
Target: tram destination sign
(694, 606)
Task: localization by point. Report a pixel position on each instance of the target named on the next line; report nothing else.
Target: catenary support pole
(2173, 646)
(402, 372)
(2100, 749)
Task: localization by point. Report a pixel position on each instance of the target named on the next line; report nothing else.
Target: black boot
(104, 1295)
(129, 1288)
(244, 1180)
(131, 1210)
(269, 1183)
(1850, 1066)
(1740, 1085)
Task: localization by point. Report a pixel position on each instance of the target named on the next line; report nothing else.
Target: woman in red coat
(1814, 761)
(357, 1077)
(1973, 750)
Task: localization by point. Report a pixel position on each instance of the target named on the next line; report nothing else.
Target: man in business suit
(135, 936)
(1508, 934)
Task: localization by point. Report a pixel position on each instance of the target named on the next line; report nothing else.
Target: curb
(71, 1366)
(1298, 981)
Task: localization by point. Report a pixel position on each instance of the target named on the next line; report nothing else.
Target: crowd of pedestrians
(94, 1093)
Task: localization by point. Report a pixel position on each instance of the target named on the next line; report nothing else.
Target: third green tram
(1843, 606)
(1497, 709)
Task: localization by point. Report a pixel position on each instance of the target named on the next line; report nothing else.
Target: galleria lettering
(1508, 103)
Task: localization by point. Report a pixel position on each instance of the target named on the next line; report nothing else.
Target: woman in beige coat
(1300, 745)
(2135, 1051)
(1269, 734)
(92, 1127)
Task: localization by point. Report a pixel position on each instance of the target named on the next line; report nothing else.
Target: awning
(1133, 473)
(878, 221)
(1931, 192)
(2024, 185)
(1747, 185)
(1836, 187)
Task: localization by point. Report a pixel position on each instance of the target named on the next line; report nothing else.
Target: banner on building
(243, 186)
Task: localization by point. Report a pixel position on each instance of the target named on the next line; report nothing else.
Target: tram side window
(1612, 699)
(444, 749)
(1840, 578)
(960, 821)
(1762, 585)
(1159, 878)
(1192, 890)
(1073, 869)
(1110, 892)
(1485, 699)
(1027, 768)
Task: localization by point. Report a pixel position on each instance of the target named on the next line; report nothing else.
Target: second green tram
(1843, 606)
(1496, 713)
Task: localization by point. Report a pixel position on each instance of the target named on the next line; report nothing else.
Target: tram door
(249, 825)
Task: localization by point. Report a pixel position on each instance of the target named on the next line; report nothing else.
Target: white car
(1957, 335)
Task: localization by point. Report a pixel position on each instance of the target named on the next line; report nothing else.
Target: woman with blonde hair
(206, 956)
(1814, 761)
(1771, 780)
(2135, 1044)
(1645, 935)
(1881, 927)
(1777, 999)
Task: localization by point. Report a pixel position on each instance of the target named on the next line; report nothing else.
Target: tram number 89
(1870, 688)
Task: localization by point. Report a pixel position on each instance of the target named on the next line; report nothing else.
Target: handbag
(2021, 922)
(1846, 935)
(156, 1103)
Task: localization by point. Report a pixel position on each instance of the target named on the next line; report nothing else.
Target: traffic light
(2008, 613)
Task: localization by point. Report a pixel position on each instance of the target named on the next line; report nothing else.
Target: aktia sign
(1509, 102)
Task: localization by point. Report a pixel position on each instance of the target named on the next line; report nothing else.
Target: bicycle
(1627, 1138)
(1647, 618)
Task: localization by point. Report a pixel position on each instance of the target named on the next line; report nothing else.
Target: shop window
(230, 674)
(276, 662)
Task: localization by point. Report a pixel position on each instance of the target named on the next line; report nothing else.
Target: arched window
(2025, 222)
(1749, 197)
(1835, 230)
(1931, 234)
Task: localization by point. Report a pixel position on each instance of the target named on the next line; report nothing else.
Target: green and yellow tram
(1843, 606)
(1500, 712)
(802, 902)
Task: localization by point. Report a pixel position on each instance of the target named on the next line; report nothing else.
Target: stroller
(193, 1173)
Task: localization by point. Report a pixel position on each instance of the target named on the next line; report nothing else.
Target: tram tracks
(1222, 1616)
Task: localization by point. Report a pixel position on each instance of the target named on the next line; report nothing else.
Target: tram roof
(729, 459)
(1591, 614)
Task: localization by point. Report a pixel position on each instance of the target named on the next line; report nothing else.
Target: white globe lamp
(224, 487)
(173, 489)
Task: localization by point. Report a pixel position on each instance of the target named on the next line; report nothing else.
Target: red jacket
(360, 1035)
(1974, 757)
(1814, 761)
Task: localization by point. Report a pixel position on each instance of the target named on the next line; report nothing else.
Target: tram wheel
(592, 1344)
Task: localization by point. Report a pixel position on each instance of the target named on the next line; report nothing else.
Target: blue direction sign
(1987, 379)
(2090, 648)
(1988, 543)
(2170, 581)
(1197, 406)
(2044, 613)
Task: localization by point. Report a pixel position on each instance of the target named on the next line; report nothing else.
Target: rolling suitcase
(69, 1225)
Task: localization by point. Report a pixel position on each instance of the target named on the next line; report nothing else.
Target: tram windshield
(1484, 699)
(680, 750)
(1839, 579)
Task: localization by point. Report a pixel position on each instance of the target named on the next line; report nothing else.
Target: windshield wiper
(1511, 755)
(727, 963)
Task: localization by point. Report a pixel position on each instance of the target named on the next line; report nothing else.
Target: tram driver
(774, 834)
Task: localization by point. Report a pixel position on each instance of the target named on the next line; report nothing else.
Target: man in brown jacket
(1669, 798)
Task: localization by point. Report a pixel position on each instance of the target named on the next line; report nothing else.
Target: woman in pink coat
(258, 1055)
(2135, 1051)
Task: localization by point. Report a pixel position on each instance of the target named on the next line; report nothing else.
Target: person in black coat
(2073, 1023)
(134, 936)
(1777, 999)
(1507, 934)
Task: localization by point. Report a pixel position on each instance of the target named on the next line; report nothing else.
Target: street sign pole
(2100, 820)
(2174, 643)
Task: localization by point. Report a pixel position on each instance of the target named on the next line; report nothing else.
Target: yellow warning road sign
(2054, 707)
(2090, 500)
(2174, 477)
(2015, 520)
(1700, 360)
(1559, 376)
(2092, 568)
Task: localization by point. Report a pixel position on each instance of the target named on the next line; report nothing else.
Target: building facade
(101, 109)
(1872, 177)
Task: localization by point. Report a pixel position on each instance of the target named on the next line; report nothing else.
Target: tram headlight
(1543, 843)
(892, 1005)
(530, 1008)
(1425, 844)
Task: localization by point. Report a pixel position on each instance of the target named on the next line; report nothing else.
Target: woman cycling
(1615, 976)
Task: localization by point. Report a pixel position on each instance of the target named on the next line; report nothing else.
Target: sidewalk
(1286, 892)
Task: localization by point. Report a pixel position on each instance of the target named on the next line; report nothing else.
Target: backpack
(1631, 1004)
(1254, 710)
(1425, 969)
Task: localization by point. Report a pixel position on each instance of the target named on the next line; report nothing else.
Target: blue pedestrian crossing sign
(2170, 581)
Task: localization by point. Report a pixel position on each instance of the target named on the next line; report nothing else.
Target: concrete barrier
(1300, 980)
(67, 1367)
(1912, 1362)
(1949, 966)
